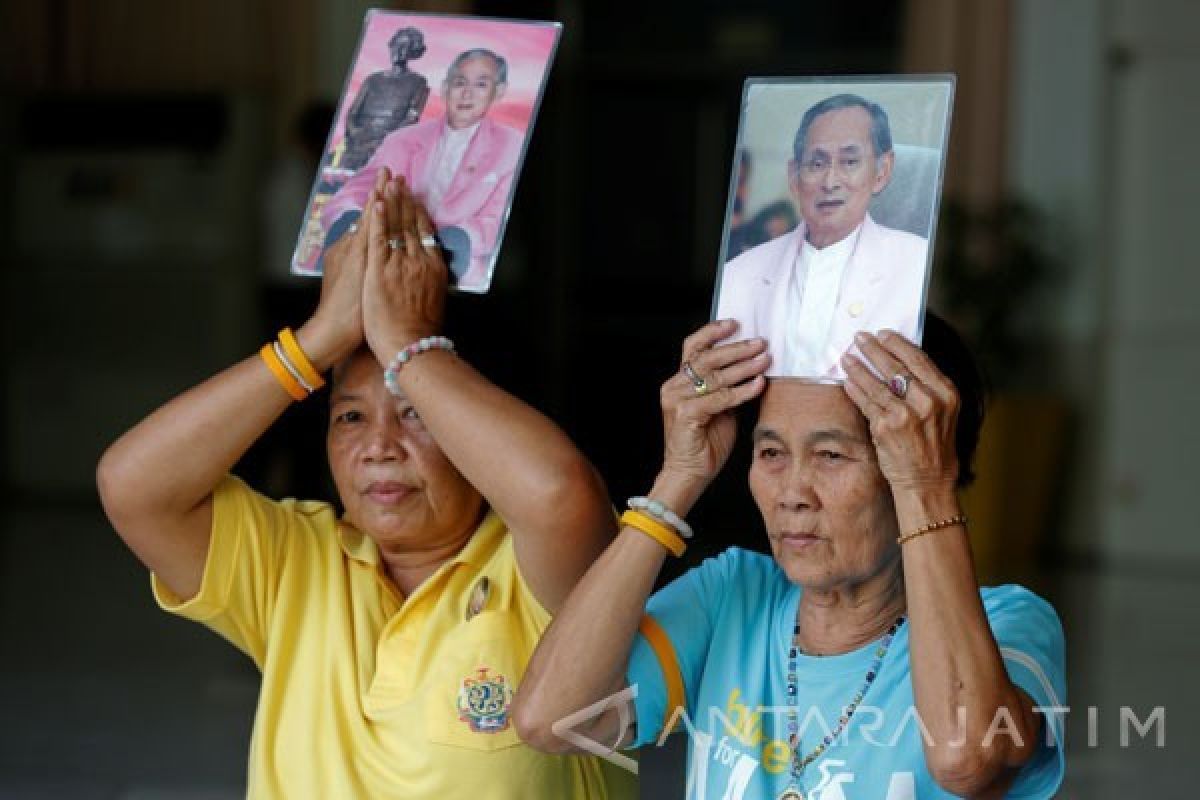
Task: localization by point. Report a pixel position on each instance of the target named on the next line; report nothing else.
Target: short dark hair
(881, 130)
(480, 52)
(953, 359)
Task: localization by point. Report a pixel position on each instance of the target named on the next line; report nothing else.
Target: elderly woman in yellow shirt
(390, 638)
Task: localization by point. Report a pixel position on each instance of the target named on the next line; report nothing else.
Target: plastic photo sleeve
(832, 208)
(448, 102)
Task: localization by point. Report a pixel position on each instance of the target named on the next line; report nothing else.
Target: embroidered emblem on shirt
(483, 701)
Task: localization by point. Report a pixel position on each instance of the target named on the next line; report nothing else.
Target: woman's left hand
(912, 412)
(404, 291)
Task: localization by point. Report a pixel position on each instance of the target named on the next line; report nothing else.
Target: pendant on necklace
(791, 793)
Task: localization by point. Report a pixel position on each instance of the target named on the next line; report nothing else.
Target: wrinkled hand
(699, 428)
(404, 292)
(913, 434)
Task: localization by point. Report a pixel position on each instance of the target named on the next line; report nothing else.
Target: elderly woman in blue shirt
(860, 659)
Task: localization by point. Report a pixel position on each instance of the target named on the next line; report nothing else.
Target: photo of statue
(387, 100)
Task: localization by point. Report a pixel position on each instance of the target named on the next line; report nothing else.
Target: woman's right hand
(699, 427)
(335, 329)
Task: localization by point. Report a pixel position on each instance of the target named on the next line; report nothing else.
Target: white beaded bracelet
(661, 513)
(407, 354)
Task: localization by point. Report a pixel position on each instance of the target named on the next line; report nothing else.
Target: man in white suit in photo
(838, 272)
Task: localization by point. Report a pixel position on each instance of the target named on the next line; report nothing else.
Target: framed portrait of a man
(448, 102)
(832, 213)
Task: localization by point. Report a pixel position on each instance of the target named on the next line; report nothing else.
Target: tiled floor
(1133, 648)
(102, 696)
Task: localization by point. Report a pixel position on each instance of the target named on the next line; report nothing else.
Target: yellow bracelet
(655, 530)
(960, 519)
(299, 360)
(290, 385)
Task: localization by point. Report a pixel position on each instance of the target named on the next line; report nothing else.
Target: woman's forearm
(583, 656)
(519, 460)
(959, 681)
(172, 460)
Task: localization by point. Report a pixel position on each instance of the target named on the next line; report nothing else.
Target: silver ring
(898, 385)
(428, 241)
(353, 228)
(395, 243)
(698, 383)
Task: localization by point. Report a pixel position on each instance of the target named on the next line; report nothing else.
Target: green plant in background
(988, 267)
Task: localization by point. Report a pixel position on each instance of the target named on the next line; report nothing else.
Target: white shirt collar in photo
(814, 287)
(452, 146)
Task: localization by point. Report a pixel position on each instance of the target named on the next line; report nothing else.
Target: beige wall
(972, 40)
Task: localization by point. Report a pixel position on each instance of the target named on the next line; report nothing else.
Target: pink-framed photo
(449, 102)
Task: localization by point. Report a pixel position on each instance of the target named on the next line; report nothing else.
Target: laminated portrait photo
(449, 103)
(832, 212)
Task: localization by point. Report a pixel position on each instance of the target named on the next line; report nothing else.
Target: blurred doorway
(1152, 353)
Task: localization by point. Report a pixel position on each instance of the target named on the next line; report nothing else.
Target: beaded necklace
(795, 789)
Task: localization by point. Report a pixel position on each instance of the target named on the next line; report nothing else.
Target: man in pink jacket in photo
(460, 166)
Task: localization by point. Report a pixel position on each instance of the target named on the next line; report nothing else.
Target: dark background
(137, 140)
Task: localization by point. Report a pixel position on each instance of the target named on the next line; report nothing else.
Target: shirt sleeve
(246, 551)
(680, 629)
(1032, 645)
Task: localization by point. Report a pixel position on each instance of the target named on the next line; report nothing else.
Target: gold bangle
(644, 523)
(289, 384)
(299, 359)
(960, 519)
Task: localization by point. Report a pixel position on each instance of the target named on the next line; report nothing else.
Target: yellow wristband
(290, 385)
(299, 360)
(655, 530)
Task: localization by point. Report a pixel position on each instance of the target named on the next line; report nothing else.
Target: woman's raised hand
(338, 320)
(404, 291)
(698, 402)
(912, 412)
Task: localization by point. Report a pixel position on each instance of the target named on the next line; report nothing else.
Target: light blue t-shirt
(731, 621)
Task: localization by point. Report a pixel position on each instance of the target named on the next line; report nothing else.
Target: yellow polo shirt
(366, 694)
